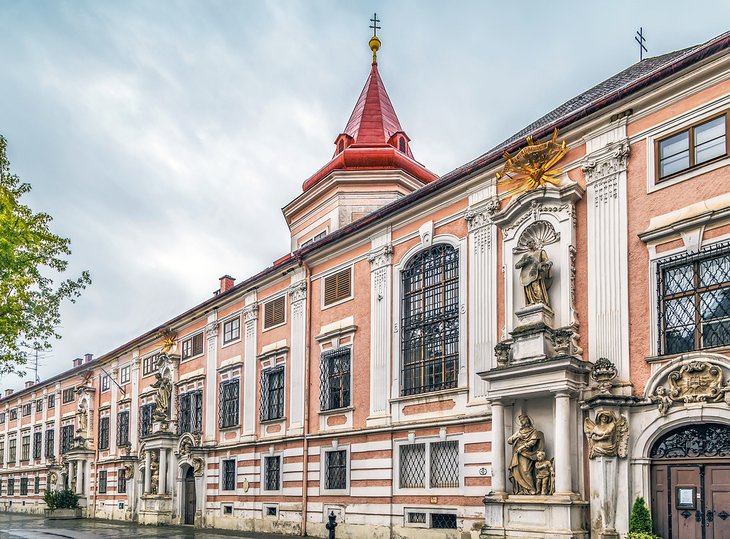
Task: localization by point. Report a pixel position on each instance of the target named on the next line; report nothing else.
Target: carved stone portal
(697, 381)
(608, 436)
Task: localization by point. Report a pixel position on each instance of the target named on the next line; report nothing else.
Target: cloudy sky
(165, 136)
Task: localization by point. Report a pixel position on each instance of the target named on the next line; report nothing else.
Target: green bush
(640, 521)
(61, 499)
(642, 535)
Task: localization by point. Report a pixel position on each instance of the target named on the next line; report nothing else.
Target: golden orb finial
(375, 40)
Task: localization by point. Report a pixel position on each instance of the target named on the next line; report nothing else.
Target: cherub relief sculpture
(608, 436)
(526, 442)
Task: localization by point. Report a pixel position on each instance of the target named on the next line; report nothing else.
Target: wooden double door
(691, 500)
(189, 497)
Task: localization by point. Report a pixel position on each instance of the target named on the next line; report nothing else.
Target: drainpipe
(305, 443)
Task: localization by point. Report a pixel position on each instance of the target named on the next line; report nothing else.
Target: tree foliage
(31, 256)
(640, 519)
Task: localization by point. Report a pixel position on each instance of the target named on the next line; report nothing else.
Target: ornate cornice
(608, 161)
(481, 215)
(211, 330)
(298, 291)
(381, 257)
(251, 313)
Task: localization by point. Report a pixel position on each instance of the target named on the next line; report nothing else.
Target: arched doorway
(690, 482)
(189, 496)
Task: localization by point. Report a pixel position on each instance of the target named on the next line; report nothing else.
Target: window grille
(51, 401)
(272, 467)
(275, 312)
(445, 464)
(67, 436)
(102, 482)
(694, 301)
(2, 418)
(37, 485)
(231, 330)
(413, 466)
(104, 433)
(430, 321)
(271, 510)
(229, 404)
(272, 393)
(336, 470)
(37, 444)
(443, 521)
(337, 286)
(23, 486)
(417, 518)
(12, 454)
(11, 486)
(335, 379)
(229, 475)
(25, 448)
(123, 428)
(2, 453)
(145, 419)
(190, 412)
(50, 435)
(121, 481)
(68, 395)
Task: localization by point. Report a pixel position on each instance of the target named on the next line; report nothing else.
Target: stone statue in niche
(83, 419)
(544, 475)
(527, 442)
(155, 472)
(534, 264)
(162, 398)
(608, 436)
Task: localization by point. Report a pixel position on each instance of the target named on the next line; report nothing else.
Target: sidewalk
(16, 526)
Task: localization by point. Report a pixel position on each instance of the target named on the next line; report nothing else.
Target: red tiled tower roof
(373, 138)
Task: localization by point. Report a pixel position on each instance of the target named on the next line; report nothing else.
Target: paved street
(33, 527)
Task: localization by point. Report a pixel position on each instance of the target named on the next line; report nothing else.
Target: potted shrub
(61, 504)
(640, 525)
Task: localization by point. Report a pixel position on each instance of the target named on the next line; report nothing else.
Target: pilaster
(298, 300)
(210, 410)
(134, 407)
(380, 323)
(250, 316)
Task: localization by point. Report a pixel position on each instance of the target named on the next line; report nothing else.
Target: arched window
(430, 321)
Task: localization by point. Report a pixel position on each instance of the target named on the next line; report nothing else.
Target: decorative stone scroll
(696, 381)
(608, 436)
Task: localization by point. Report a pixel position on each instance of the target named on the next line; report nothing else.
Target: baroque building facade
(519, 348)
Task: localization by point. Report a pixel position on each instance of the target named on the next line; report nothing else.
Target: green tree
(31, 256)
(640, 519)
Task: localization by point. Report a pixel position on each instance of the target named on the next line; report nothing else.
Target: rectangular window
(337, 286)
(50, 439)
(434, 464)
(275, 312)
(336, 470)
(13, 414)
(11, 486)
(192, 346)
(443, 521)
(39, 405)
(694, 301)
(229, 475)
(272, 469)
(231, 330)
(27, 409)
(51, 401)
(105, 383)
(23, 486)
(37, 485)
(149, 365)
(67, 395)
(444, 464)
(37, 444)
(67, 437)
(2, 453)
(121, 481)
(190, 412)
(145, 422)
(12, 452)
(272, 393)
(693, 146)
(124, 375)
(25, 448)
(228, 406)
(123, 428)
(102, 482)
(334, 379)
(2, 418)
(104, 433)
(413, 466)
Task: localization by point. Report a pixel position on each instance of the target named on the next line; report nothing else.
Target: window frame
(231, 339)
(280, 297)
(49, 444)
(104, 430)
(324, 356)
(68, 395)
(14, 413)
(690, 128)
(27, 409)
(190, 340)
(102, 482)
(149, 364)
(324, 476)
(12, 451)
(225, 485)
(51, 403)
(265, 473)
(11, 486)
(25, 447)
(195, 413)
(232, 422)
(37, 444)
(121, 481)
(267, 372)
(39, 405)
(105, 383)
(66, 441)
(124, 375)
(427, 463)
(334, 275)
(145, 426)
(24, 486)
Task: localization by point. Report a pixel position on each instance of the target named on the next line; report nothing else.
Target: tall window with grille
(229, 403)
(50, 442)
(104, 433)
(67, 436)
(102, 482)
(121, 481)
(272, 393)
(272, 472)
(228, 481)
(429, 465)
(123, 428)
(11, 486)
(694, 301)
(2, 453)
(37, 444)
(190, 412)
(12, 451)
(37, 485)
(430, 321)
(334, 379)
(23, 486)
(145, 419)
(335, 471)
(25, 448)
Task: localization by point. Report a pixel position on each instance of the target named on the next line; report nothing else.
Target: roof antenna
(640, 39)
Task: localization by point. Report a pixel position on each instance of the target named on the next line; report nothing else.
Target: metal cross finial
(640, 39)
(375, 26)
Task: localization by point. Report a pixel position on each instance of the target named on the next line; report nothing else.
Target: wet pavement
(16, 526)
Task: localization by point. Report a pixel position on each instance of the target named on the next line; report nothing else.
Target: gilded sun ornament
(533, 166)
(167, 336)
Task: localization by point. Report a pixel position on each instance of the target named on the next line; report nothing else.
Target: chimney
(8, 392)
(78, 362)
(28, 383)
(88, 357)
(227, 283)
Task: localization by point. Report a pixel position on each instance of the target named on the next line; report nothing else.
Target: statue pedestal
(534, 516)
(532, 337)
(156, 509)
